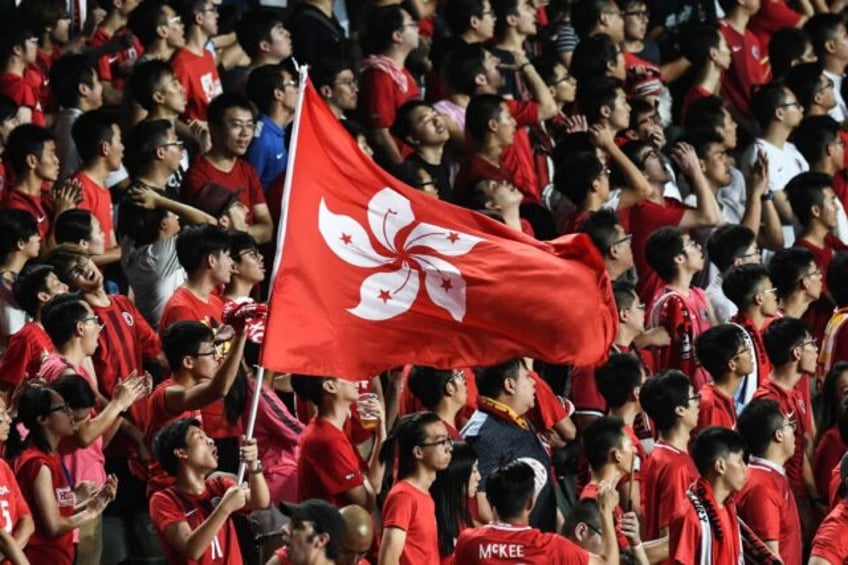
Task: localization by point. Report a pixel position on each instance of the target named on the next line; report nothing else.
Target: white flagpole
(303, 71)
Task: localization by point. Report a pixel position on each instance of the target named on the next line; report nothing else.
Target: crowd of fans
(699, 144)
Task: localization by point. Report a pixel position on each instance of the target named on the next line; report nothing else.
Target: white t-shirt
(154, 273)
(840, 111)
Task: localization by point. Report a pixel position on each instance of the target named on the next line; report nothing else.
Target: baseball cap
(326, 517)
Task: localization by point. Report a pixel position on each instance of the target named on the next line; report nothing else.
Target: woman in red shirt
(830, 445)
(453, 492)
(44, 485)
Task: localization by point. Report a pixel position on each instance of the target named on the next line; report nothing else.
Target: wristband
(258, 469)
(767, 197)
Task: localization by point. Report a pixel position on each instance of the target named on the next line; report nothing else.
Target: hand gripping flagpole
(303, 71)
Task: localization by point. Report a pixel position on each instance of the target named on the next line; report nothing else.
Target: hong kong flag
(372, 274)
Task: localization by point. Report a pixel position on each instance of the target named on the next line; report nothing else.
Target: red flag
(372, 274)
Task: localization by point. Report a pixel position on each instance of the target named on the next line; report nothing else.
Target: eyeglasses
(447, 442)
(814, 273)
(690, 244)
(350, 82)
(250, 253)
(214, 354)
(289, 83)
(60, 408)
(812, 341)
(457, 376)
(741, 352)
(828, 84)
(790, 104)
(177, 143)
(624, 239)
(755, 253)
(567, 77)
(594, 528)
(409, 24)
(696, 397)
(210, 9)
(239, 124)
(771, 290)
(425, 184)
(95, 319)
(175, 20)
(793, 424)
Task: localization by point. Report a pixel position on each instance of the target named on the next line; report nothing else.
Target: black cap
(325, 516)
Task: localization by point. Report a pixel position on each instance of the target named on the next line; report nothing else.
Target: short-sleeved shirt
(380, 97)
(267, 152)
(772, 16)
(328, 478)
(199, 76)
(645, 218)
(98, 200)
(172, 506)
(412, 510)
(748, 67)
(314, 35)
(715, 409)
(767, 506)
(830, 542)
(241, 177)
(24, 354)
(154, 273)
(13, 505)
(790, 403)
(666, 475)
(38, 206)
(25, 91)
(109, 66)
(684, 537)
(41, 548)
(502, 544)
(829, 452)
(590, 492)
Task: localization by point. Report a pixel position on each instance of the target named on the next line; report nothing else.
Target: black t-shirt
(440, 174)
(315, 36)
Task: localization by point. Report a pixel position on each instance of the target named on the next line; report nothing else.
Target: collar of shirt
(269, 124)
(771, 465)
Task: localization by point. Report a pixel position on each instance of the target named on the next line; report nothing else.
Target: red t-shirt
(748, 66)
(772, 16)
(590, 492)
(715, 409)
(13, 506)
(380, 97)
(666, 475)
(830, 542)
(242, 177)
(38, 206)
(790, 403)
(110, 65)
(820, 311)
(98, 200)
(645, 218)
(328, 478)
(756, 335)
(693, 95)
(172, 505)
(25, 91)
(767, 506)
(413, 511)
(684, 538)
(41, 548)
(199, 76)
(409, 403)
(828, 454)
(23, 357)
(503, 544)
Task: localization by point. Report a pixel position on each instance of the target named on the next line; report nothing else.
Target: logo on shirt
(65, 496)
(128, 318)
(755, 52)
(4, 490)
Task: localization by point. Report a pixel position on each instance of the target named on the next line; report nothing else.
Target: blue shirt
(267, 152)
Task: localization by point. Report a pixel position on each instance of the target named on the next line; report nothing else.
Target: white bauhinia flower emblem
(392, 290)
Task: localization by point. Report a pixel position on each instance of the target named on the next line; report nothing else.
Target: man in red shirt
(511, 492)
(194, 65)
(672, 405)
(21, 80)
(708, 507)
(727, 356)
(113, 68)
(773, 15)
(351, 550)
(834, 345)
(830, 546)
(193, 529)
(766, 503)
(748, 60)
(344, 478)
(231, 125)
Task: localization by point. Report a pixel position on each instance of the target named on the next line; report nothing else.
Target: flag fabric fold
(372, 274)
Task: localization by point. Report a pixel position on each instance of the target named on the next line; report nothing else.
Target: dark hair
(510, 489)
(813, 135)
(327, 70)
(409, 433)
(592, 57)
(261, 84)
(729, 242)
(600, 227)
(73, 225)
(717, 347)
(702, 139)
(188, 9)
(403, 126)
(428, 384)
(503, 9)
(586, 511)
(254, 27)
(697, 42)
(25, 140)
(64, 256)
(781, 337)
(182, 339)
(60, 316)
(92, 129)
(15, 226)
(14, 32)
(663, 247)
(573, 177)
(585, 15)
(139, 224)
(715, 443)
(705, 113)
(803, 81)
(741, 284)
(490, 380)
(806, 190)
(67, 73)
(458, 13)
(757, 424)
(595, 94)
(625, 293)
(145, 20)
(766, 101)
(450, 493)
(76, 391)
(196, 243)
(662, 394)
(822, 28)
(482, 109)
(837, 275)
(787, 46)
(170, 438)
(309, 387)
(8, 108)
(829, 407)
(226, 101)
(599, 438)
(618, 377)
(462, 66)
(34, 402)
(42, 14)
(383, 22)
(144, 140)
(239, 243)
(31, 281)
(787, 267)
(146, 79)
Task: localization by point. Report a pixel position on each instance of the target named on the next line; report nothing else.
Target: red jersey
(38, 206)
(772, 16)
(766, 504)
(412, 510)
(502, 544)
(409, 403)
(820, 311)
(828, 454)
(325, 477)
(241, 177)
(830, 542)
(645, 218)
(172, 506)
(790, 403)
(199, 76)
(380, 97)
(42, 548)
(756, 335)
(715, 409)
(590, 492)
(114, 67)
(748, 66)
(693, 95)
(24, 354)
(25, 91)
(684, 538)
(13, 506)
(666, 475)
(98, 200)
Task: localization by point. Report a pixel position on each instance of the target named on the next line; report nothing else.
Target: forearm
(657, 550)
(376, 468)
(23, 530)
(89, 431)
(540, 91)
(260, 495)
(10, 549)
(635, 179)
(752, 218)
(707, 204)
(108, 257)
(199, 540)
(673, 70)
(770, 235)
(226, 375)
(188, 213)
(609, 539)
(261, 231)
(386, 145)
